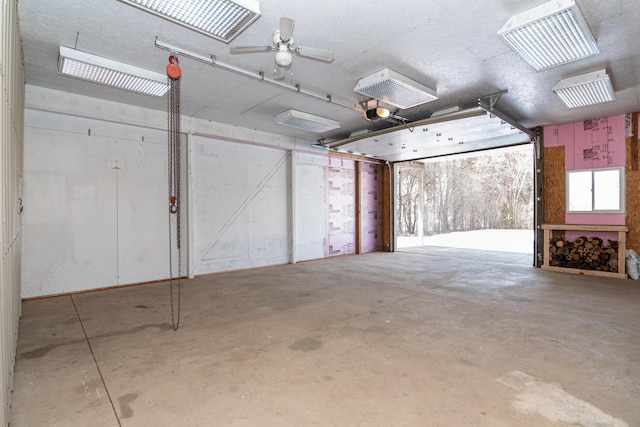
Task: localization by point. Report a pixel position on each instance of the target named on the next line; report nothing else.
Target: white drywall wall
(240, 205)
(95, 212)
(310, 224)
(143, 208)
(88, 224)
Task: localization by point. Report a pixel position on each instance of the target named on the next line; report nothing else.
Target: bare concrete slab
(380, 339)
(491, 256)
(57, 382)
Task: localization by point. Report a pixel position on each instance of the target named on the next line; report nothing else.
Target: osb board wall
(632, 201)
(554, 185)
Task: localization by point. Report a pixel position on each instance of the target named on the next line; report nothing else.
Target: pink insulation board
(594, 143)
(556, 136)
(598, 143)
(370, 207)
(589, 144)
(340, 200)
(599, 219)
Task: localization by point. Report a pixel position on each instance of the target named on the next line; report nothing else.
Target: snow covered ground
(519, 241)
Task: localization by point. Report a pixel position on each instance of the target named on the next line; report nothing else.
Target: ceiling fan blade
(312, 52)
(250, 49)
(286, 29)
(279, 72)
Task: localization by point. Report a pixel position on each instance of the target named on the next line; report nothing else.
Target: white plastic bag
(632, 261)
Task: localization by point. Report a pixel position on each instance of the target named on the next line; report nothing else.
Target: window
(596, 190)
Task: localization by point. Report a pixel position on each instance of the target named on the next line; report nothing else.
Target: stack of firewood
(586, 253)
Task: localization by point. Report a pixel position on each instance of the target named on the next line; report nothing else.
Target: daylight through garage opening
(480, 201)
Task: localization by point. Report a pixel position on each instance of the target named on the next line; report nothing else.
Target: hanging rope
(173, 124)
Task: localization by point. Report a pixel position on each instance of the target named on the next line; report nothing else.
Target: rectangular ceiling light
(306, 121)
(585, 89)
(82, 65)
(550, 34)
(220, 19)
(393, 88)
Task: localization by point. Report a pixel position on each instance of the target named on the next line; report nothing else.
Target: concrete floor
(472, 254)
(383, 339)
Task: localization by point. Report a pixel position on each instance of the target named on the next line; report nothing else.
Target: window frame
(594, 171)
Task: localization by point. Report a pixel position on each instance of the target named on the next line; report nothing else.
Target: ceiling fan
(282, 44)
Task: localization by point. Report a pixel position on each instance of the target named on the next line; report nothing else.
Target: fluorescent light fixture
(221, 19)
(550, 34)
(305, 121)
(393, 88)
(82, 65)
(585, 89)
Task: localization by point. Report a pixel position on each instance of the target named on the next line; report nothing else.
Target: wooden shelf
(622, 243)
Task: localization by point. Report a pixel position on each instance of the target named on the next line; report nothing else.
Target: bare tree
(409, 181)
(482, 192)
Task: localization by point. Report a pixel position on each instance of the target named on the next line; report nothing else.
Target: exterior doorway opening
(473, 205)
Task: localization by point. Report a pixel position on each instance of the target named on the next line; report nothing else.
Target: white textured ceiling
(451, 46)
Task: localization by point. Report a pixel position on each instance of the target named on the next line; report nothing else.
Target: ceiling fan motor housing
(284, 58)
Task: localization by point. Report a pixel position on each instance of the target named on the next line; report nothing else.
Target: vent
(585, 89)
(221, 19)
(550, 34)
(305, 121)
(395, 89)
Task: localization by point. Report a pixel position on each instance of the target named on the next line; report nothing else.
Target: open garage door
(438, 168)
(479, 205)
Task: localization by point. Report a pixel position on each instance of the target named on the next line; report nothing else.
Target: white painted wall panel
(310, 206)
(95, 204)
(11, 147)
(240, 205)
(142, 209)
(69, 218)
(89, 225)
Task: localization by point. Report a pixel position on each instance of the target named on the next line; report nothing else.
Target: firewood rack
(620, 229)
